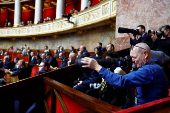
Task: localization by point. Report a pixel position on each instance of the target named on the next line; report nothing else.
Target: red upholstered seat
(148, 107)
(1, 56)
(59, 62)
(34, 71)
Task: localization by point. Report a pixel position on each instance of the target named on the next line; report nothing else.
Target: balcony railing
(91, 16)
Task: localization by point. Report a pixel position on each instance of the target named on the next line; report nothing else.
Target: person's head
(28, 22)
(71, 11)
(22, 22)
(28, 47)
(16, 60)
(110, 54)
(6, 53)
(32, 54)
(141, 29)
(48, 55)
(58, 47)
(82, 49)
(61, 48)
(38, 51)
(21, 63)
(46, 47)
(9, 23)
(37, 57)
(166, 30)
(62, 55)
(97, 50)
(6, 59)
(55, 51)
(89, 3)
(43, 56)
(71, 48)
(72, 57)
(99, 44)
(21, 47)
(110, 47)
(44, 66)
(140, 54)
(75, 11)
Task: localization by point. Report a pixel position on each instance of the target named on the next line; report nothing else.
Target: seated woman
(21, 71)
(98, 53)
(38, 60)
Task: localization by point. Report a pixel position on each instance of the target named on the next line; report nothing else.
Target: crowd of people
(29, 22)
(148, 53)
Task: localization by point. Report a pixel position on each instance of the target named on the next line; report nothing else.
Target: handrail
(86, 100)
(93, 15)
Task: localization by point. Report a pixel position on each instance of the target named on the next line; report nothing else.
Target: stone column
(60, 8)
(84, 3)
(38, 10)
(17, 13)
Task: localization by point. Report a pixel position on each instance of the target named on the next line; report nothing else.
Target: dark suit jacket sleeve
(95, 78)
(154, 45)
(164, 44)
(64, 64)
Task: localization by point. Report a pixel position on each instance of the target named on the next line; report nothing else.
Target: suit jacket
(63, 63)
(38, 61)
(53, 62)
(20, 72)
(91, 77)
(40, 72)
(44, 60)
(32, 60)
(7, 65)
(1, 64)
(145, 38)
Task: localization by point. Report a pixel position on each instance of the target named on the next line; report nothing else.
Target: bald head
(140, 54)
(72, 57)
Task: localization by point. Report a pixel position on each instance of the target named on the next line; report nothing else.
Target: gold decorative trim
(64, 107)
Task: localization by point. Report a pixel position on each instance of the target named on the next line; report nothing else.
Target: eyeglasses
(136, 46)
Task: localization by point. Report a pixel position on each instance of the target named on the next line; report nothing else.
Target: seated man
(83, 52)
(62, 57)
(99, 44)
(72, 59)
(150, 80)
(51, 60)
(21, 71)
(6, 63)
(16, 62)
(86, 80)
(110, 47)
(43, 68)
(44, 59)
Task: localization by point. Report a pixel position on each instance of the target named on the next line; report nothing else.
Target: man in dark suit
(51, 60)
(99, 44)
(32, 58)
(72, 59)
(145, 38)
(6, 63)
(43, 68)
(62, 57)
(83, 52)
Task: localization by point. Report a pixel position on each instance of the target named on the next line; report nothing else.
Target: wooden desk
(11, 79)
